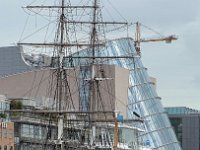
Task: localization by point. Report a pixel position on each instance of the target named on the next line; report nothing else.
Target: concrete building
(39, 85)
(6, 126)
(31, 130)
(13, 60)
(7, 135)
(186, 124)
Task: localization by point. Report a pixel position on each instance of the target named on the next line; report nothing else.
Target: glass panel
(5, 132)
(10, 133)
(25, 130)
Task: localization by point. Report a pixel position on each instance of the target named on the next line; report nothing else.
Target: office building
(186, 124)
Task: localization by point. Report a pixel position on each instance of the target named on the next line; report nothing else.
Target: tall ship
(93, 93)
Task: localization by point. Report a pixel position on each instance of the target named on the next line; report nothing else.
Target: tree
(15, 104)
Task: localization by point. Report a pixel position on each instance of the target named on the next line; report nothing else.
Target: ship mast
(60, 44)
(60, 77)
(92, 98)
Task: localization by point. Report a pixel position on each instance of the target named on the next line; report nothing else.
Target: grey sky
(176, 65)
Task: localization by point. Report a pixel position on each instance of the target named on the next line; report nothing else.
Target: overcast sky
(175, 65)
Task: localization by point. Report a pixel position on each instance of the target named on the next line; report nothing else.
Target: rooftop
(181, 110)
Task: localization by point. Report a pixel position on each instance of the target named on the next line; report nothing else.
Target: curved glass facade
(143, 98)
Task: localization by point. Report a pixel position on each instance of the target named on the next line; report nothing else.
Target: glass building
(142, 96)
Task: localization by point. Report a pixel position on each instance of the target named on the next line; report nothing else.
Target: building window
(7, 106)
(11, 148)
(5, 147)
(25, 130)
(0, 147)
(3, 106)
(5, 133)
(177, 125)
(10, 133)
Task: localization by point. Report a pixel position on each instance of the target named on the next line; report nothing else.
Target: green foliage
(3, 115)
(14, 104)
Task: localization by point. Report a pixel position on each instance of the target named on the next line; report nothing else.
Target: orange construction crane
(138, 39)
